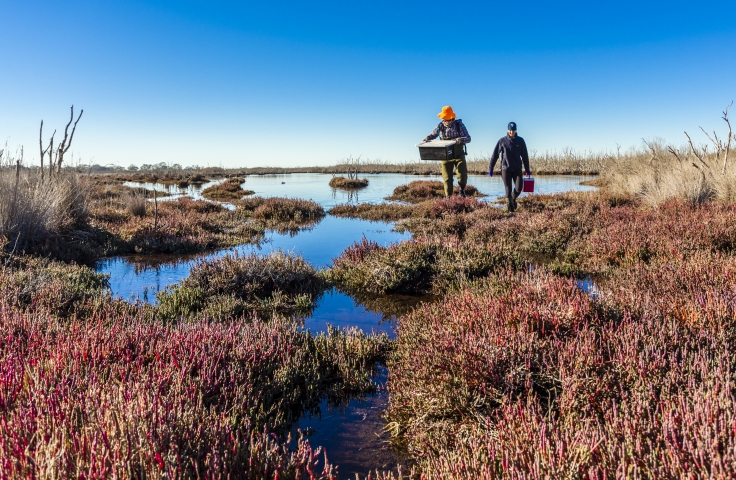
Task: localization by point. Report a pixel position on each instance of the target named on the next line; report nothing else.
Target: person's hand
(459, 141)
(490, 173)
(528, 173)
(426, 139)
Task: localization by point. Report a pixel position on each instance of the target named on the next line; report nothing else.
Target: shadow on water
(353, 436)
(377, 314)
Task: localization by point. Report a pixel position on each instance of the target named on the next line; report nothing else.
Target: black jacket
(512, 152)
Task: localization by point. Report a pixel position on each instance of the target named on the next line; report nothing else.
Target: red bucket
(528, 185)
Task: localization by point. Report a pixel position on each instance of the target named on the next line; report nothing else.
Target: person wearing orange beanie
(451, 128)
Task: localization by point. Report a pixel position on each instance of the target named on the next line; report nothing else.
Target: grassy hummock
(281, 214)
(391, 212)
(180, 226)
(423, 190)
(348, 183)
(230, 285)
(230, 189)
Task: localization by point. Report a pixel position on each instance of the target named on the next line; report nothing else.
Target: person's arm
(494, 157)
(435, 133)
(464, 135)
(525, 156)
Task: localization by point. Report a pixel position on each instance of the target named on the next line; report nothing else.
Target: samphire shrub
(235, 283)
(525, 375)
(116, 395)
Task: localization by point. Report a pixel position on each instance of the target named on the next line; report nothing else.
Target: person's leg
(518, 180)
(462, 174)
(447, 167)
(507, 176)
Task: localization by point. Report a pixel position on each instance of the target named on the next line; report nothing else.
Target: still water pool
(141, 277)
(314, 186)
(352, 435)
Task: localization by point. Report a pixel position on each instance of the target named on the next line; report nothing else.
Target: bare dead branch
(40, 147)
(51, 149)
(651, 148)
(728, 138)
(715, 142)
(695, 152)
(66, 129)
(674, 152)
(74, 129)
(64, 147)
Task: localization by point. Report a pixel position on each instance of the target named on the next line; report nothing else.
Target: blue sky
(286, 83)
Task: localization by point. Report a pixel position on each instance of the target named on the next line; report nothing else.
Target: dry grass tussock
(423, 190)
(566, 162)
(228, 286)
(230, 189)
(136, 203)
(659, 172)
(348, 183)
(31, 208)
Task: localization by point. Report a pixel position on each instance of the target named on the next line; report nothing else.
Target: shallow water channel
(352, 435)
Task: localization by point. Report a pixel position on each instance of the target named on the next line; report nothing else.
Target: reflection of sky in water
(351, 435)
(131, 279)
(315, 186)
(340, 310)
(141, 277)
(173, 191)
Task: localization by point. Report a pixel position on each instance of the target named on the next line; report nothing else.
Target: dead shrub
(136, 203)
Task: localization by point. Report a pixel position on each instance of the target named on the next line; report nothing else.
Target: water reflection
(318, 245)
(589, 286)
(369, 313)
(353, 195)
(315, 186)
(141, 277)
(353, 435)
(392, 306)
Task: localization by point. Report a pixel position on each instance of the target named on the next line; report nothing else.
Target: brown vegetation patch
(230, 189)
(423, 190)
(384, 212)
(348, 183)
(596, 182)
(228, 286)
(281, 214)
(391, 212)
(180, 226)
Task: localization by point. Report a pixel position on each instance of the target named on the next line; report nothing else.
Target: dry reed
(136, 203)
(30, 207)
